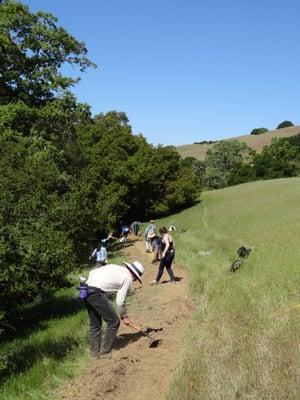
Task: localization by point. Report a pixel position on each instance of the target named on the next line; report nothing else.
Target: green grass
(243, 341)
(47, 348)
(49, 344)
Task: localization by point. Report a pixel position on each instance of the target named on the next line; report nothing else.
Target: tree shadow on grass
(20, 361)
(26, 320)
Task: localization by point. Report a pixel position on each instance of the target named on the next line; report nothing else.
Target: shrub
(285, 124)
(258, 131)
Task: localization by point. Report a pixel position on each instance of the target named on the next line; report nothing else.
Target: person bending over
(101, 282)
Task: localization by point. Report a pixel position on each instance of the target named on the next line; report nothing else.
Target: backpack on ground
(244, 251)
(236, 265)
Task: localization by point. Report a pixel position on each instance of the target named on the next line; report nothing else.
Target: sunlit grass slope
(243, 341)
(257, 142)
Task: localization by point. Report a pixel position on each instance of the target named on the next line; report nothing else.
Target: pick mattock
(152, 342)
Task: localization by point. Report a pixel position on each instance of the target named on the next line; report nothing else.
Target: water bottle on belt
(83, 293)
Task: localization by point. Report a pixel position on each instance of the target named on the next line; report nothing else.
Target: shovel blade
(154, 343)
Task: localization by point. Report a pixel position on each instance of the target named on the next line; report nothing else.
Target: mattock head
(154, 342)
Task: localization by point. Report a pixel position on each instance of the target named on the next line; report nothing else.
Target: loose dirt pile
(135, 371)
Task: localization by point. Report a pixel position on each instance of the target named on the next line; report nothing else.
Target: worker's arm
(146, 232)
(167, 245)
(93, 254)
(121, 301)
(111, 236)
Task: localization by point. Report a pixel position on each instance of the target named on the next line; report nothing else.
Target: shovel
(152, 342)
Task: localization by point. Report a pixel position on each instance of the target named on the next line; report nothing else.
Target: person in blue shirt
(124, 233)
(100, 253)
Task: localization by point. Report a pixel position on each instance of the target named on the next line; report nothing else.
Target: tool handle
(137, 328)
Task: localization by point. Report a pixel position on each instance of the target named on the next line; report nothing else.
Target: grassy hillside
(243, 342)
(243, 339)
(257, 142)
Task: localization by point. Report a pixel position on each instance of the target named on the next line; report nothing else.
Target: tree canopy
(32, 50)
(285, 124)
(65, 175)
(258, 131)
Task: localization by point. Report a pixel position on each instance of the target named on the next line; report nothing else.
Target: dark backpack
(244, 251)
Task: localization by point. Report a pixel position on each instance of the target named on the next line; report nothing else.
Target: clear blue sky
(186, 71)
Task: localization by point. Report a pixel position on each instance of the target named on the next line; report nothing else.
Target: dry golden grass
(257, 142)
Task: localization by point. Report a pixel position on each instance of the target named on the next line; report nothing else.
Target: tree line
(232, 162)
(283, 124)
(66, 174)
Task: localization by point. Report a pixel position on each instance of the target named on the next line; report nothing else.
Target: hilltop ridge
(257, 142)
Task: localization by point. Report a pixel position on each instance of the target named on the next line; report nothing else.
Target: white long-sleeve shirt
(112, 278)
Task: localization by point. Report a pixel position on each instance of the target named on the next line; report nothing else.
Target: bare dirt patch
(135, 371)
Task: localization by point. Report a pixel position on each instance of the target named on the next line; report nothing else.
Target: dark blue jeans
(166, 262)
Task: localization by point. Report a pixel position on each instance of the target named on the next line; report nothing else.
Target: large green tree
(63, 174)
(223, 160)
(35, 250)
(278, 160)
(32, 50)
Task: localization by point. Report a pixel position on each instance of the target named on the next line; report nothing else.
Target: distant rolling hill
(257, 142)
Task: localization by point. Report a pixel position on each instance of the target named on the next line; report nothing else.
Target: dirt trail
(135, 371)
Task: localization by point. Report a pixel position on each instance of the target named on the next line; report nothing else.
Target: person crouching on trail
(125, 230)
(112, 278)
(100, 253)
(167, 257)
(135, 227)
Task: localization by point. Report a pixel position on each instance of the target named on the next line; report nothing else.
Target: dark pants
(99, 307)
(135, 228)
(166, 262)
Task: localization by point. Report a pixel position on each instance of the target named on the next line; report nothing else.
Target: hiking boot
(154, 283)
